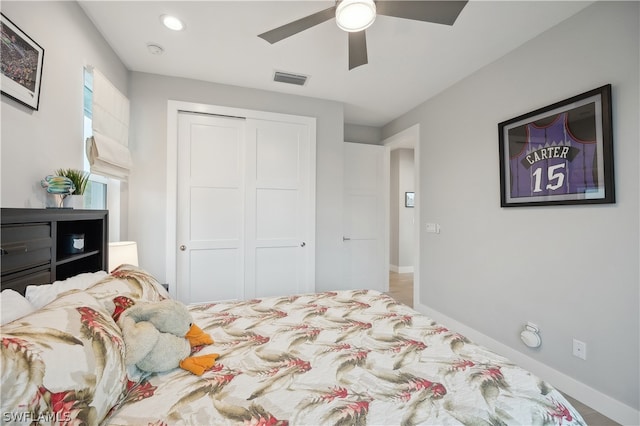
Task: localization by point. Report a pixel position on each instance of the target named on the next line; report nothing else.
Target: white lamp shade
(122, 252)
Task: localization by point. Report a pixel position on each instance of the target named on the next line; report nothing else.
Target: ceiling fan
(354, 16)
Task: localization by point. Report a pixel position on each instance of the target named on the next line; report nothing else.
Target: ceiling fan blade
(357, 49)
(299, 25)
(439, 12)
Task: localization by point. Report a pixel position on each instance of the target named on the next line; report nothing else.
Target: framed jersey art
(559, 154)
(21, 61)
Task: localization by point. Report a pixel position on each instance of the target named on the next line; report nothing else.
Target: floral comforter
(339, 358)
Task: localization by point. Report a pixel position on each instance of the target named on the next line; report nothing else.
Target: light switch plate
(433, 228)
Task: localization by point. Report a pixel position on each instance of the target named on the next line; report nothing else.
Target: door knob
(183, 247)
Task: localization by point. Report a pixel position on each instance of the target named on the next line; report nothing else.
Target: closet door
(279, 209)
(210, 208)
(245, 208)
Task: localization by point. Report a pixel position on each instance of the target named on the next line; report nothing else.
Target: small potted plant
(80, 180)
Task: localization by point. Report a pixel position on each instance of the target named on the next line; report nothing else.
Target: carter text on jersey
(550, 152)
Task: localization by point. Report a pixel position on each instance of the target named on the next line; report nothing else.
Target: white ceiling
(409, 61)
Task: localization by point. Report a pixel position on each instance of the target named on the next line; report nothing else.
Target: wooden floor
(401, 289)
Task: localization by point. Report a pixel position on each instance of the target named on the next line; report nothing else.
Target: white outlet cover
(579, 349)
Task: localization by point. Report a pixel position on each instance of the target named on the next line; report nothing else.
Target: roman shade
(108, 148)
(108, 157)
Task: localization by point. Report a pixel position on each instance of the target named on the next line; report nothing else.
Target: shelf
(74, 257)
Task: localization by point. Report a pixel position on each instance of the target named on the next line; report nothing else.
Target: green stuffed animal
(159, 336)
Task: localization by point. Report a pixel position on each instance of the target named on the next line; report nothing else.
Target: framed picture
(560, 154)
(21, 60)
(409, 199)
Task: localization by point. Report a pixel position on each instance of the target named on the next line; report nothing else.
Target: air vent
(289, 78)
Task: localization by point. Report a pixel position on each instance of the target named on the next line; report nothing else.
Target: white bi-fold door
(245, 209)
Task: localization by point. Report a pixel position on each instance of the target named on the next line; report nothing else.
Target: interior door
(211, 207)
(365, 264)
(279, 252)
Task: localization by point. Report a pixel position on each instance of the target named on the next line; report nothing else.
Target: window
(102, 193)
(96, 192)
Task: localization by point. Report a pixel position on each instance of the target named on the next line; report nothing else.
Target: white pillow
(13, 305)
(40, 295)
(72, 349)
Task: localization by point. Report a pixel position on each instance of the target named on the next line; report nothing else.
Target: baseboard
(600, 402)
(401, 269)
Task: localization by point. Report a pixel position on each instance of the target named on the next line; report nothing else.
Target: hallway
(401, 287)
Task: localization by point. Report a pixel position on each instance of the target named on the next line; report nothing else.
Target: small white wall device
(530, 336)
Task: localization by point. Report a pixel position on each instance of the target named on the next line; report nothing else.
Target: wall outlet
(579, 349)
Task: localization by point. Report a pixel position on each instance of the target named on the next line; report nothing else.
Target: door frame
(407, 138)
(174, 108)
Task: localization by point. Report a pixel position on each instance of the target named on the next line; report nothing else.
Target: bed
(333, 358)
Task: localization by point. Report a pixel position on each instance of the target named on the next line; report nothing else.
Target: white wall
(36, 143)
(149, 95)
(572, 270)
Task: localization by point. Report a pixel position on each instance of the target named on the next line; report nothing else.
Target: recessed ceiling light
(172, 22)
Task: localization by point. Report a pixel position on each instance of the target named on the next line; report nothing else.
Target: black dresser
(41, 246)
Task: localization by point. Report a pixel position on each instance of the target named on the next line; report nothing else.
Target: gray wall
(36, 143)
(149, 95)
(362, 134)
(571, 270)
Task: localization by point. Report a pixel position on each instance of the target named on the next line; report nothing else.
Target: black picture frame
(22, 60)
(409, 199)
(561, 154)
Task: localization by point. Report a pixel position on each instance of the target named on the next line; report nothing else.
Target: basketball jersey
(553, 161)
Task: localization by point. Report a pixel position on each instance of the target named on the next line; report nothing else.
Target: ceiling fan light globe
(355, 15)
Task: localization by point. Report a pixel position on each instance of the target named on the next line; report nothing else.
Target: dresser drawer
(25, 246)
(20, 282)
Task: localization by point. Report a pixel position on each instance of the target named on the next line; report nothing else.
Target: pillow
(128, 281)
(40, 295)
(64, 361)
(13, 305)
